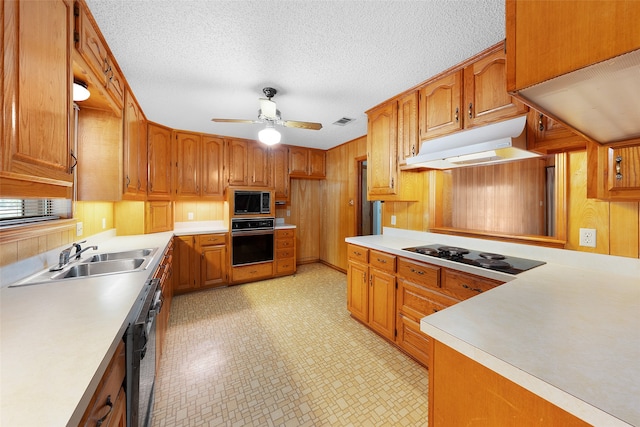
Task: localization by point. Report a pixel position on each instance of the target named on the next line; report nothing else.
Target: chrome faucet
(65, 255)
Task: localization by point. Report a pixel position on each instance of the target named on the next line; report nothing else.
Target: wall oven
(251, 240)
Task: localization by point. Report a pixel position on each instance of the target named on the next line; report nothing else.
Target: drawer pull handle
(110, 405)
(618, 168)
(383, 261)
(471, 289)
(357, 253)
(417, 271)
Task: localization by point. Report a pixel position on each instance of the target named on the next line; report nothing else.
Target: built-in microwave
(251, 202)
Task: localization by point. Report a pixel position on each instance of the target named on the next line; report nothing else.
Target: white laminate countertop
(569, 330)
(58, 338)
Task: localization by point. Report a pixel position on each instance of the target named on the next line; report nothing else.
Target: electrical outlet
(79, 229)
(104, 223)
(288, 212)
(393, 220)
(190, 216)
(588, 237)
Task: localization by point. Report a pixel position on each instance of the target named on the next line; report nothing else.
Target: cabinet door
(184, 261)
(135, 151)
(382, 169)
(36, 98)
(298, 160)
(485, 92)
(279, 172)
(408, 134)
(213, 261)
(624, 168)
(238, 162)
(159, 154)
(382, 308)
(212, 167)
(187, 165)
(358, 291)
(158, 216)
(547, 136)
(317, 163)
(441, 109)
(259, 164)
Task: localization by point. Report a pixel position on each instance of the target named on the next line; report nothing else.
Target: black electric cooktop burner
(491, 261)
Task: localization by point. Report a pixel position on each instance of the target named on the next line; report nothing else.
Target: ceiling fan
(270, 116)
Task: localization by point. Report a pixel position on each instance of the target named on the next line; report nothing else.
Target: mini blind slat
(21, 211)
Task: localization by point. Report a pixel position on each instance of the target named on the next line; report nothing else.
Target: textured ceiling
(188, 61)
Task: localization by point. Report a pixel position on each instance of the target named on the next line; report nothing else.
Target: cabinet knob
(471, 110)
(540, 124)
(457, 114)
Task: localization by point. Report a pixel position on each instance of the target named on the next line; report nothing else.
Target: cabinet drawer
(382, 261)
(284, 233)
(108, 388)
(285, 253)
(420, 273)
(412, 340)
(212, 239)
(463, 285)
(416, 301)
(286, 265)
(358, 253)
(252, 272)
(284, 243)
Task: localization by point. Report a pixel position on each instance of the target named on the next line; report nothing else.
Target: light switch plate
(79, 229)
(393, 220)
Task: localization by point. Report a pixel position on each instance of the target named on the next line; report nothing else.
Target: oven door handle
(252, 232)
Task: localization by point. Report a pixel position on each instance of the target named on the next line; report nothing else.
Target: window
(23, 211)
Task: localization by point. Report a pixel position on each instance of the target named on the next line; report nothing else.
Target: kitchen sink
(96, 265)
(109, 256)
(98, 268)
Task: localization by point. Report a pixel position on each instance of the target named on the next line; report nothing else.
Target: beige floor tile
(283, 352)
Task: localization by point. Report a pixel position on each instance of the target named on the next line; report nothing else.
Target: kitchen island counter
(568, 330)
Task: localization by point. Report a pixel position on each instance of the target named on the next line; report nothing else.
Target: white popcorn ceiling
(188, 61)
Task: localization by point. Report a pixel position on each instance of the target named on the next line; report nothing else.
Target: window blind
(23, 211)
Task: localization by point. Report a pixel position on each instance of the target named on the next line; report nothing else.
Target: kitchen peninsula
(567, 331)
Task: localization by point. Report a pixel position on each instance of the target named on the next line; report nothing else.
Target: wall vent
(343, 121)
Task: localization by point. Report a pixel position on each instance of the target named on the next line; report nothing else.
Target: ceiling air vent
(343, 121)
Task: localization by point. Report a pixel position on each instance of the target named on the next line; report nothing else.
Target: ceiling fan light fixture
(80, 91)
(269, 135)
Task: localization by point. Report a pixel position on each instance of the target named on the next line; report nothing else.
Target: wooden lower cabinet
(200, 262)
(249, 273)
(164, 273)
(464, 392)
(391, 295)
(107, 407)
(285, 252)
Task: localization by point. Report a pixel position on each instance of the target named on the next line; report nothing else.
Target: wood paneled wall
(505, 198)
(339, 201)
(201, 210)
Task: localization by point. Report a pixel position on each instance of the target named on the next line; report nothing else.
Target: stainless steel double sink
(96, 265)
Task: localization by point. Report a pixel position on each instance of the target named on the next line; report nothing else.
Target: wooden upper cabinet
(94, 51)
(37, 128)
(159, 158)
(546, 135)
(135, 150)
(408, 132)
(441, 106)
(614, 173)
(546, 39)
(187, 164)
(307, 162)
(212, 167)
(279, 161)
(485, 92)
(382, 149)
(248, 163)
(238, 162)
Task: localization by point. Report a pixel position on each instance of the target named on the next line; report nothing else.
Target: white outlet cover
(588, 237)
(79, 229)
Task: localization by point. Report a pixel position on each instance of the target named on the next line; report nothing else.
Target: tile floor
(283, 352)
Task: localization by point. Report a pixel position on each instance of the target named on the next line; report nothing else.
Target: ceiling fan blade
(268, 108)
(302, 125)
(235, 121)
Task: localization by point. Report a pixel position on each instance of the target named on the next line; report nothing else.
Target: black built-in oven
(251, 240)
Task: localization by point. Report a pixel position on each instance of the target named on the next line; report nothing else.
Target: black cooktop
(491, 261)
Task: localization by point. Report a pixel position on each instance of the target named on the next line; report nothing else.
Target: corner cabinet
(382, 151)
(37, 128)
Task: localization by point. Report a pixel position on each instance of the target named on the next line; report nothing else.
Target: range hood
(600, 101)
(495, 143)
